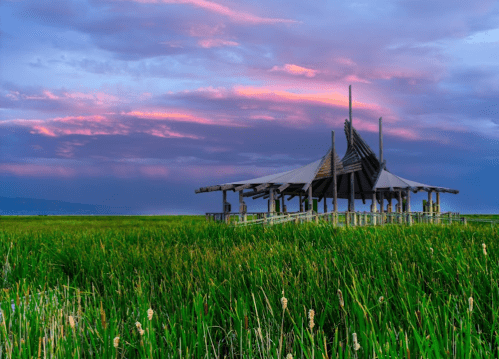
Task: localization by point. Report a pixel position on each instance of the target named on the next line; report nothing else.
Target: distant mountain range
(30, 206)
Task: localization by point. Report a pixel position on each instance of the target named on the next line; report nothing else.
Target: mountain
(31, 206)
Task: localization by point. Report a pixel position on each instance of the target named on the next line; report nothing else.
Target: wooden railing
(338, 218)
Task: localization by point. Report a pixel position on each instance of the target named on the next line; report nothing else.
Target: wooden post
(272, 203)
(408, 205)
(438, 208)
(373, 209)
(325, 205)
(438, 202)
(347, 218)
(283, 205)
(301, 204)
(333, 167)
(310, 200)
(241, 207)
(430, 206)
(224, 199)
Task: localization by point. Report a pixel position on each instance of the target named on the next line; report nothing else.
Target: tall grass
(72, 286)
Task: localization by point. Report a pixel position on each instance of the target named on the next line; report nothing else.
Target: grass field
(73, 285)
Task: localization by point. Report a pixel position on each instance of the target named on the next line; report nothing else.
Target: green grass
(214, 288)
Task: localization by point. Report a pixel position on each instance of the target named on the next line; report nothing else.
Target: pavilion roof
(369, 176)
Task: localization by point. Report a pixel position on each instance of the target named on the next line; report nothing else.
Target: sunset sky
(135, 104)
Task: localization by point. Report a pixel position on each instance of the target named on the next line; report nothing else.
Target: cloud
(295, 70)
(233, 15)
(209, 43)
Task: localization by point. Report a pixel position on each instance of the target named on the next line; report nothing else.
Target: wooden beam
(244, 186)
(260, 195)
(291, 197)
(226, 187)
(262, 186)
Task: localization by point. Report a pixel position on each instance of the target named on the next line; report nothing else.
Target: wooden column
(373, 209)
(282, 203)
(310, 201)
(333, 168)
(325, 204)
(242, 210)
(408, 205)
(438, 207)
(272, 203)
(399, 205)
(430, 206)
(224, 199)
(301, 204)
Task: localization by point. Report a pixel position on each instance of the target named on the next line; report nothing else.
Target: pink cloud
(209, 43)
(332, 99)
(262, 117)
(295, 70)
(355, 78)
(236, 16)
(92, 126)
(345, 61)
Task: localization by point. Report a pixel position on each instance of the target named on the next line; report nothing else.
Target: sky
(132, 105)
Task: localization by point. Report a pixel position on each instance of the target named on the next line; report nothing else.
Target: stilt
(272, 205)
(224, 207)
(438, 207)
(430, 207)
(242, 207)
(373, 209)
(301, 204)
(381, 207)
(310, 200)
(408, 205)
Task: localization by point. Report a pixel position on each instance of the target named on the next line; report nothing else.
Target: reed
(183, 288)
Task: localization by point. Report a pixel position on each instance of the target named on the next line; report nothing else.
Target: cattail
(102, 316)
(484, 249)
(380, 300)
(205, 308)
(138, 325)
(150, 312)
(340, 297)
(311, 315)
(431, 250)
(116, 342)
(289, 356)
(356, 345)
(470, 303)
(71, 322)
(245, 322)
(284, 303)
(141, 331)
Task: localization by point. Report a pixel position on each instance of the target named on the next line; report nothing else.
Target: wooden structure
(358, 175)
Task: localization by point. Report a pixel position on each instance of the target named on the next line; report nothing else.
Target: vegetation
(164, 287)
